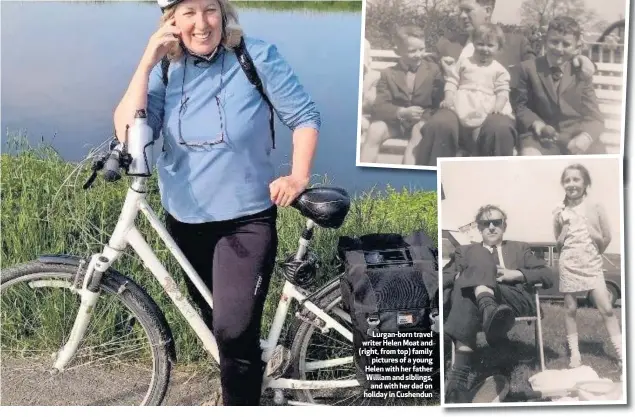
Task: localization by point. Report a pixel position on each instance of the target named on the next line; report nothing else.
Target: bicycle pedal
(279, 362)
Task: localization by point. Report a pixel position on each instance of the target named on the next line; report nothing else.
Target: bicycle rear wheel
(123, 359)
(311, 350)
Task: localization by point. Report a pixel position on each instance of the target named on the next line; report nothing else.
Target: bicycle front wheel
(123, 359)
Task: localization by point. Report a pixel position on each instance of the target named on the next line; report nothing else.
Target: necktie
(495, 255)
(556, 73)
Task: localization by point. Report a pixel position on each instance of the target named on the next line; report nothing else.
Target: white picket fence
(608, 82)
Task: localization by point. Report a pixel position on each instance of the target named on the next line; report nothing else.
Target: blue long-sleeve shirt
(226, 180)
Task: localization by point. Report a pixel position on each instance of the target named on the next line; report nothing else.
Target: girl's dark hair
(586, 177)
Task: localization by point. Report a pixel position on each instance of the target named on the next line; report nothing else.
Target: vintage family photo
(478, 78)
(533, 282)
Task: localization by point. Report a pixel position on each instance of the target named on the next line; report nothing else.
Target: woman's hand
(160, 43)
(285, 190)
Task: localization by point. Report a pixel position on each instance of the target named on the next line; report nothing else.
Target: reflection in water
(66, 65)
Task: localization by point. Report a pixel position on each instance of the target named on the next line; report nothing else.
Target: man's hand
(447, 62)
(411, 114)
(547, 135)
(586, 66)
(447, 103)
(509, 276)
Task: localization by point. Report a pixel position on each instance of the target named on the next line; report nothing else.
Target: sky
(528, 190)
(506, 11)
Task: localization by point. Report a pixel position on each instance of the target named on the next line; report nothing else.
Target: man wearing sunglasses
(491, 283)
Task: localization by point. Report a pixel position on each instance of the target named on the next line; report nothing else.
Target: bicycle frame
(126, 233)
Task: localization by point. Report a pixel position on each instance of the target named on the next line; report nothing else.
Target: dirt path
(28, 383)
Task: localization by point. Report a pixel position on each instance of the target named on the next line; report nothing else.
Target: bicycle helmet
(164, 4)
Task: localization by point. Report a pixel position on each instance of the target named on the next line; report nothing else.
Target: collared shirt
(499, 250)
(230, 179)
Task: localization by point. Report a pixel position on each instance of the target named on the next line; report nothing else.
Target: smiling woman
(216, 178)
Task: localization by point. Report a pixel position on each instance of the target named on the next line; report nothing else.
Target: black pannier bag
(389, 284)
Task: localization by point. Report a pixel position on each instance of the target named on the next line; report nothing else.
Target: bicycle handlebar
(111, 163)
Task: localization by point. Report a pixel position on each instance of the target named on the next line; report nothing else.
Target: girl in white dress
(582, 234)
(477, 85)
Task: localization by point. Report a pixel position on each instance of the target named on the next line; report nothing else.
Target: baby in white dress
(477, 85)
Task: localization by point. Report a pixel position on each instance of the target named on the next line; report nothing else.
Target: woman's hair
(586, 177)
(231, 32)
(488, 31)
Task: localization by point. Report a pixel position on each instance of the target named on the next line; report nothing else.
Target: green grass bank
(45, 210)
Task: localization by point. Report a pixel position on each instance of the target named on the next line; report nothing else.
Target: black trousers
(463, 321)
(235, 259)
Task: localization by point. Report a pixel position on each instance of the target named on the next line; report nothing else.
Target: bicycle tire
(133, 297)
(299, 332)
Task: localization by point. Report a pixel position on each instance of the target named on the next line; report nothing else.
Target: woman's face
(200, 22)
(573, 183)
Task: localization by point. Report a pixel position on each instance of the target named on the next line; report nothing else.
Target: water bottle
(140, 143)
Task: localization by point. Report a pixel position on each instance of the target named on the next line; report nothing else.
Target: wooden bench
(608, 82)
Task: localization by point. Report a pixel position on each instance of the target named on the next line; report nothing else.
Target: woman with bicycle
(216, 178)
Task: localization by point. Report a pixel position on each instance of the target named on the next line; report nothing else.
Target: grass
(45, 210)
(518, 360)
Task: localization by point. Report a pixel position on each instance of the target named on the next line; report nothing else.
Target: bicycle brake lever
(90, 181)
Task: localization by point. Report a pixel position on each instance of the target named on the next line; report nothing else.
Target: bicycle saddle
(326, 206)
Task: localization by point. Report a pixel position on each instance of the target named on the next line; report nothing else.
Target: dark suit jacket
(392, 91)
(571, 111)
(516, 49)
(516, 255)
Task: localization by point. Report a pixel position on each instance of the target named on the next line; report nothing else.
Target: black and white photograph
(532, 280)
(487, 78)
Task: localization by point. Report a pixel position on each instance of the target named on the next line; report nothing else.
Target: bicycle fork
(89, 294)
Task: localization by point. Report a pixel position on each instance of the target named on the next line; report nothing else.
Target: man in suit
(406, 93)
(490, 284)
(441, 136)
(556, 108)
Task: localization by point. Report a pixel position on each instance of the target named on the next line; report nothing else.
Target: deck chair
(537, 320)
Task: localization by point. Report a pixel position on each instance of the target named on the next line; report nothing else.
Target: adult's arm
(296, 109)
(534, 269)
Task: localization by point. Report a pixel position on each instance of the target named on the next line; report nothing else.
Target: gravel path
(28, 383)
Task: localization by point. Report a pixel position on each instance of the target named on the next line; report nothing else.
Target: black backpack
(247, 64)
(389, 285)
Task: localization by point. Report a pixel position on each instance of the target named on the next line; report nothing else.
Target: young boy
(406, 93)
(556, 106)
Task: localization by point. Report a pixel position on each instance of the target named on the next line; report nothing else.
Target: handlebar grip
(111, 167)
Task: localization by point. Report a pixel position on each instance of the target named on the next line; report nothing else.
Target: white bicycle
(107, 323)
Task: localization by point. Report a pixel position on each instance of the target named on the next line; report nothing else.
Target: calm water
(66, 65)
